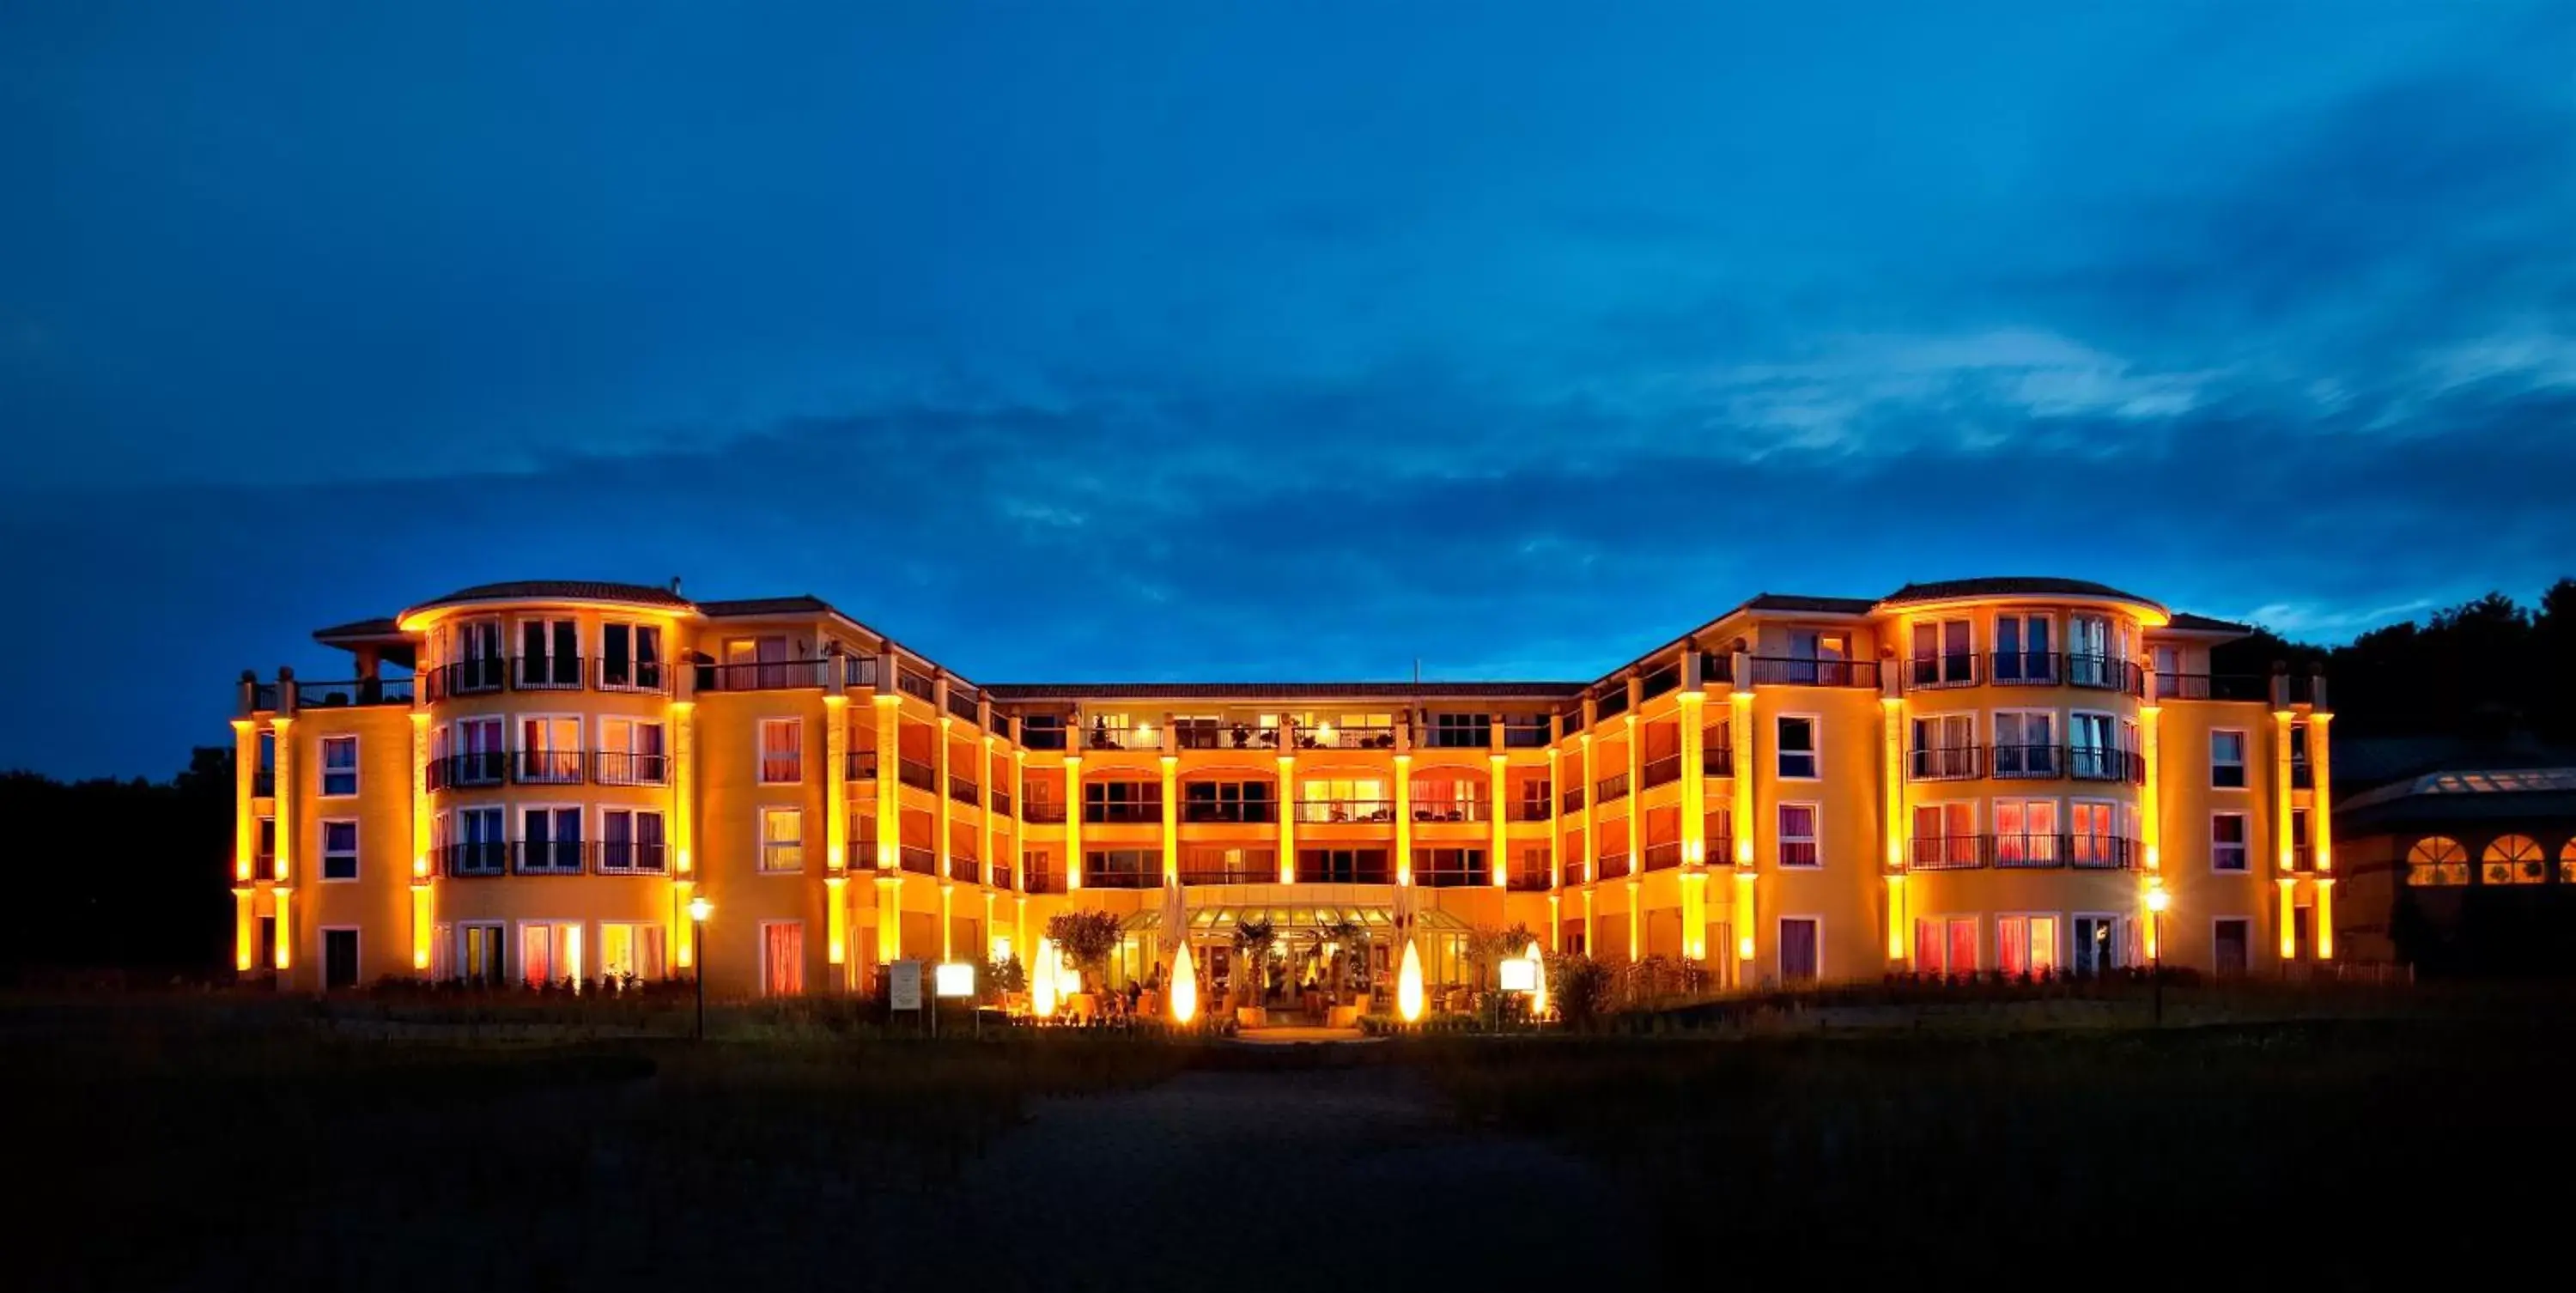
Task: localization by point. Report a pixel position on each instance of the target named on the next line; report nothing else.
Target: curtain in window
(782, 959)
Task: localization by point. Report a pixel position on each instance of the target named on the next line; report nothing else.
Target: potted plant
(1086, 938)
(1253, 940)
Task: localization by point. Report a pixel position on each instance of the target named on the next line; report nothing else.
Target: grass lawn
(204, 1145)
(2313, 1148)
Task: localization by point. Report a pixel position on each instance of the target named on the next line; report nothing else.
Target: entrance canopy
(1211, 921)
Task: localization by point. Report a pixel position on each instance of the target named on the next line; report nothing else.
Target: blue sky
(1185, 341)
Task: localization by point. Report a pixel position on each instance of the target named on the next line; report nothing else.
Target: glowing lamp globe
(1538, 993)
(1185, 988)
(1408, 985)
(2158, 900)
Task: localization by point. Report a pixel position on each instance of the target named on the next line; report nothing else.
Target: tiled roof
(808, 604)
(1808, 605)
(2206, 624)
(588, 590)
(380, 627)
(1276, 690)
(2007, 586)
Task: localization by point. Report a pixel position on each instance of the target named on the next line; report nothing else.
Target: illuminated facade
(1974, 776)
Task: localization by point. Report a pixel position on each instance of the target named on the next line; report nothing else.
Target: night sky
(1181, 344)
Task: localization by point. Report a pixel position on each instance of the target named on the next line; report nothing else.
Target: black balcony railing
(1660, 681)
(1229, 810)
(1532, 810)
(2093, 763)
(1660, 857)
(1045, 879)
(1610, 788)
(545, 673)
(2105, 673)
(1611, 703)
(1246, 872)
(861, 765)
(917, 860)
(546, 767)
(1002, 875)
(2102, 852)
(1948, 669)
(1525, 733)
(964, 790)
(633, 675)
(1717, 761)
(1716, 667)
(2025, 762)
(1124, 812)
(264, 697)
(765, 675)
(474, 859)
(2023, 668)
(1614, 865)
(1525, 879)
(475, 677)
(917, 774)
(915, 684)
(1332, 736)
(1452, 810)
(621, 768)
(2026, 851)
(1945, 852)
(2021, 852)
(1121, 870)
(1459, 736)
(962, 706)
(456, 771)
(1571, 799)
(1328, 812)
(859, 671)
(998, 802)
(1043, 812)
(2203, 686)
(1101, 736)
(1039, 737)
(1943, 763)
(1656, 772)
(547, 857)
(1325, 869)
(1448, 869)
(362, 691)
(1798, 671)
(964, 869)
(629, 858)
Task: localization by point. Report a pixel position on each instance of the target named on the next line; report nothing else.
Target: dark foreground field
(166, 1144)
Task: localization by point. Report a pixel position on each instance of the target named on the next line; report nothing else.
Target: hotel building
(532, 781)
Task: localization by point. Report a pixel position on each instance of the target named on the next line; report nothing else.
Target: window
(2026, 944)
(2227, 842)
(1945, 945)
(2437, 861)
(2022, 650)
(479, 845)
(1945, 836)
(630, 656)
(476, 649)
(339, 850)
(2093, 749)
(2026, 832)
(478, 753)
(1802, 945)
(1798, 836)
(2099, 834)
(478, 952)
(2025, 743)
(2168, 663)
(2099, 945)
(1819, 657)
(1449, 799)
(549, 653)
(1945, 747)
(1361, 799)
(2514, 859)
(549, 951)
(782, 751)
(782, 839)
(1944, 654)
(1342, 866)
(630, 952)
(1226, 801)
(630, 841)
(339, 957)
(2227, 759)
(339, 766)
(267, 841)
(782, 958)
(2231, 945)
(549, 750)
(1123, 801)
(1797, 747)
(630, 753)
(2095, 648)
(1462, 731)
(1537, 794)
(550, 840)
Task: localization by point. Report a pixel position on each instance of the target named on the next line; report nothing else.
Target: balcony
(1717, 761)
(362, 691)
(1614, 865)
(765, 675)
(1328, 812)
(962, 706)
(1798, 671)
(1934, 672)
(1571, 801)
(1001, 875)
(1946, 852)
(1327, 736)
(998, 802)
(1245, 872)
(1525, 879)
(1656, 772)
(1716, 667)
(1212, 735)
(1455, 810)
(263, 697)
(1660, 857)
(2102, 852)
(1248, 811)
(1450, 869)
(1943, 763)
(1611, 788)
(859, 671)
(1122, 870)
(2023, 668)
(1659, 682)
(546, 767)
(917, 774)
(2025, 852)
(1532, 810)
(628, 858)
(917, 860)
(1037, 736)
(491, 858)
(1525, 733)
(1611, 703)
(964, 790)
(545, 673)
(1101, 736)
(1045, 880)
(1124, 812)
(2105, 673)
(916, 685)
(860, 765)
(2025, 763)
(2092, 763)
(547, 857)
(461, 771)
(1313, 869)
(965, 870)
(620, 768)
(1459, 736)
(1042, 812)
(648, 676)
(2204, 686)
(477, 677)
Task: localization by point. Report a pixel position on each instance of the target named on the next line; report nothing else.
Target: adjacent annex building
(531, 781)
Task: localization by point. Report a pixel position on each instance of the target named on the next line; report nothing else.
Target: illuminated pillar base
(1743, 915)
(1896, 949)
(836, 921)
(245, 929)
(2289, 918)
(1695, 915)
(2325, 919)
(285, 927)
(421, 926)
(889, 919)
(684, 932)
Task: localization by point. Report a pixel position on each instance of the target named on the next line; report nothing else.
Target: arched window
(2514, 859)
(2567, 863)
(2437, 860)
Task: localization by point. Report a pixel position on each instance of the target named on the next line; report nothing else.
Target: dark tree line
(137, 875)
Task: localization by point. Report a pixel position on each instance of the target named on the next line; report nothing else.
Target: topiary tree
(1086, 938)
(1253, 940)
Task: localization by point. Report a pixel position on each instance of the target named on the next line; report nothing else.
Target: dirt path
(1274, 1178)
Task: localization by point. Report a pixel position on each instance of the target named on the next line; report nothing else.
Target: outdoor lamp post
(699, 910)
(2157, 901)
